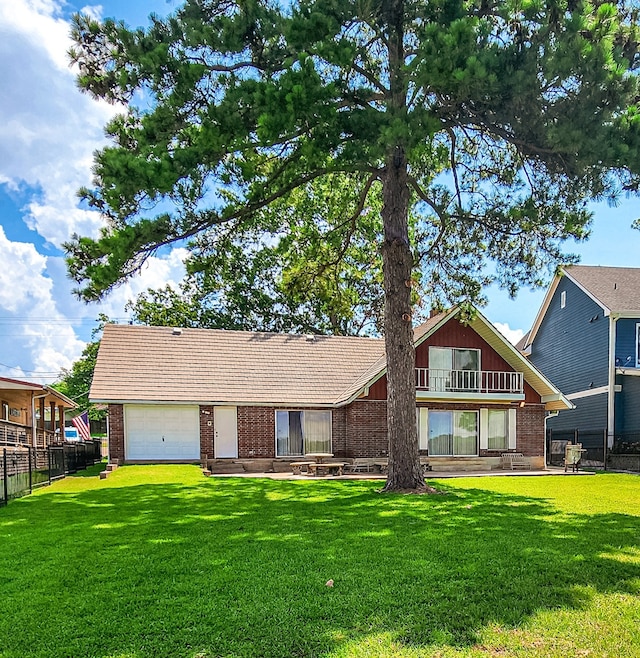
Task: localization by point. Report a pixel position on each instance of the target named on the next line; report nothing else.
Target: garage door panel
(157, 432)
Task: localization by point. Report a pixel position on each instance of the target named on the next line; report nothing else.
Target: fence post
(30, 471)
(6, 478)
(604, 450)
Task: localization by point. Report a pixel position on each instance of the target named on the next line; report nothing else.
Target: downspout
(33, 417)
(611, 426)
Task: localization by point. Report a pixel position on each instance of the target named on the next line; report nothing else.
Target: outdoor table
(320, 468)
(319, 457)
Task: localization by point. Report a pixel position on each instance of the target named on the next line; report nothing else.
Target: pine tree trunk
(397, 260)
(404, 460)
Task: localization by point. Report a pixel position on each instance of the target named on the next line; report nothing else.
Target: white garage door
(161, 432)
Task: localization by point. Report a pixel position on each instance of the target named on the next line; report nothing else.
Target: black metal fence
(625, 452)
(22, 468)
(623, 455)
(594, 442)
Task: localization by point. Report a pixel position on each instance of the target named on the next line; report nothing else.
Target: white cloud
(512, 335)
(157, 272)
(35, 336)
(48, 129)
(41, 322)
(48, 133)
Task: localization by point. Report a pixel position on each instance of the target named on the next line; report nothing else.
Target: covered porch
(31, 414)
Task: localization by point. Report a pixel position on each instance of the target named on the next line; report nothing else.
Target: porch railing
(14, 434)
(469, 381)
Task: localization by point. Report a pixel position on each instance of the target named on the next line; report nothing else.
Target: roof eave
(532, 375)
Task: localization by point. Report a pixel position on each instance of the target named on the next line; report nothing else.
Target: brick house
(199, 394)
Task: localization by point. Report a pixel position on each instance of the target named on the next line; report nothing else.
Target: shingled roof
(615, 288)
(138, 363)
(205, 366)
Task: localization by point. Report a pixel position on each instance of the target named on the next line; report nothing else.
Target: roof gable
(615, 289)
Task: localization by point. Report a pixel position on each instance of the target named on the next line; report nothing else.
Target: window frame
(506, 419)
(424, 424)
(302, 423)
(441, 382)
(511, 430)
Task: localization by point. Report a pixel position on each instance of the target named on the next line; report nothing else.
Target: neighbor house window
(5, 411)
(302, 432)
(453, 433)
(563, 299)
(452, 369)
(638, 346)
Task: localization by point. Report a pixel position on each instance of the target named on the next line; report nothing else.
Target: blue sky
(48, 132)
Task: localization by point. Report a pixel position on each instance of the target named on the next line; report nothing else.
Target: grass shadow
(237, 567)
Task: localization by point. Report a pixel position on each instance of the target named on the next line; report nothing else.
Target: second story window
(454, 369)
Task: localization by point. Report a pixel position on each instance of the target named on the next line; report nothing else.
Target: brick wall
(256, 432)
(206, 433)
(366, 429)
(116, 432)
(339, 445)
(530, 430)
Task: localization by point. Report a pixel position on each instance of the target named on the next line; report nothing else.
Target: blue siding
(628, 404)
(590, 415)
(626, 343)
(572, 344)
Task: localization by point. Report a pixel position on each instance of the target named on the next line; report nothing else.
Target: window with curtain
(301, 432)
(453, 433)
(498, 429)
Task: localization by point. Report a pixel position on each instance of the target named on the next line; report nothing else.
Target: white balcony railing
(469, 381)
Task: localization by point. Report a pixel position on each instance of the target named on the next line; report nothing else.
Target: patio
(380, 476)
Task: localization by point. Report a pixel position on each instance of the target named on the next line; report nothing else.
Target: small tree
(306, 268)
(75, 382)
(492, 122)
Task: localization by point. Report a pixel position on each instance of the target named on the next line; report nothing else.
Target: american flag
(81, 423)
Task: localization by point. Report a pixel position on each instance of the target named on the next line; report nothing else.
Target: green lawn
(159, 561)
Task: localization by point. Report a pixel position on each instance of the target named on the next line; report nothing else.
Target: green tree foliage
(491, 123)
(309, 268)
(76, 381)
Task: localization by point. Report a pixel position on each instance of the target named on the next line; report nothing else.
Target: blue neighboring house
(586, 339)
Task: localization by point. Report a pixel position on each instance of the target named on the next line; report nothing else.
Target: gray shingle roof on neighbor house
(137, 363)
(616, 288)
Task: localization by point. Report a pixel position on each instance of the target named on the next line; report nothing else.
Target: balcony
(483, 385)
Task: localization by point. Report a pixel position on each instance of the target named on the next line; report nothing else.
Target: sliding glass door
(453, 433)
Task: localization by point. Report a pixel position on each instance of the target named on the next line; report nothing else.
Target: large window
(452, 369)
(464, 433)
(301, 432)
(453, 433)
(498, 429)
